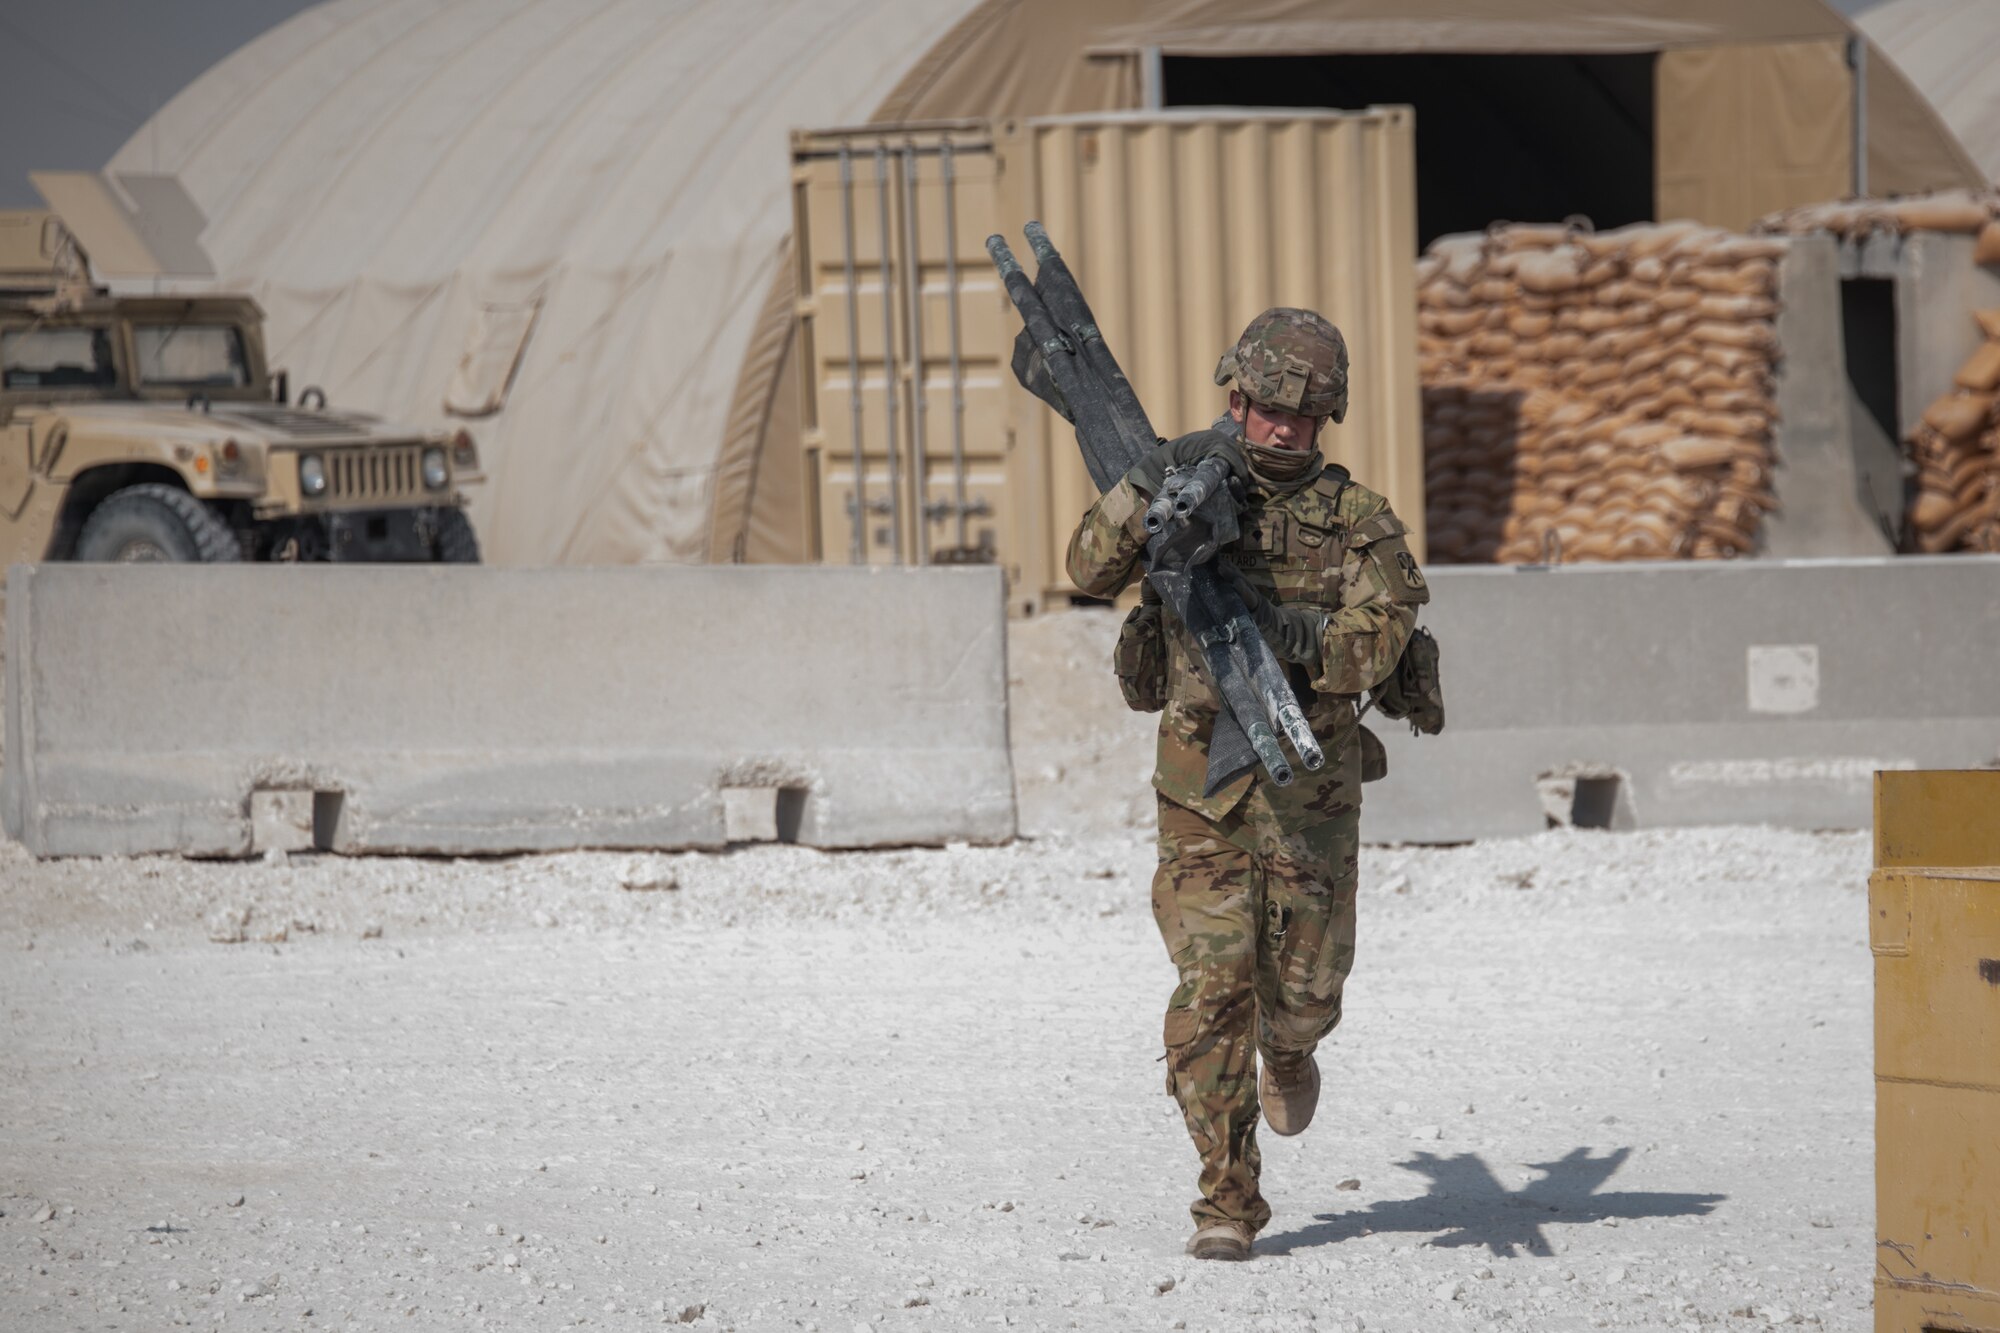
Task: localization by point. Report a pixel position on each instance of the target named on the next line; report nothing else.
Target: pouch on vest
(1414, 693)
(1374, 758)
(1140, 658)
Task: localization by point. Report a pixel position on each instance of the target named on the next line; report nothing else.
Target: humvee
(151, 428)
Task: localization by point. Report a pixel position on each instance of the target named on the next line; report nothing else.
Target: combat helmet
(1292, 360)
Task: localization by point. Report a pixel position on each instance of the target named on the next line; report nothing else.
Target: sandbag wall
(1597, 396)
(1973, 212)
(1956, 449)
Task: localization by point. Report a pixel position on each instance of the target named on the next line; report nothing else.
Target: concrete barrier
(208, 710)
(1839, 475)
(1936, 288)
(1641, 695)
(1872, 331)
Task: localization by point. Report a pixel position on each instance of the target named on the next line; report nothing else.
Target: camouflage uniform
(1254, 895)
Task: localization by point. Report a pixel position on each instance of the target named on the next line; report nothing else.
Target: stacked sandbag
(1597, 396)
(1956, 449)
(1972, 212)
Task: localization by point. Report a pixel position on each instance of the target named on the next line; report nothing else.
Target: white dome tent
(403, 182)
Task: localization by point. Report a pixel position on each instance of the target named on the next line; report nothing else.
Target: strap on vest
(1375, 529)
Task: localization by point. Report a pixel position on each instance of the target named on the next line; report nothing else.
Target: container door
(902, 349)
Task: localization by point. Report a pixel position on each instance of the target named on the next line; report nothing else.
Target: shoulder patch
(1412, 588)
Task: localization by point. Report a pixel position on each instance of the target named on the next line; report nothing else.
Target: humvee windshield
(208, 356)
(56, 358)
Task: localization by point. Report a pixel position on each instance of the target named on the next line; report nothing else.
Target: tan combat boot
(1220, 1240)
(1289, 1093)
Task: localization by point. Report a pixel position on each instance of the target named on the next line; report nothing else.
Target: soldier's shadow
(1467, 1205)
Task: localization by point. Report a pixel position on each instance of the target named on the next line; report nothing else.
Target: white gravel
(1587, 1080)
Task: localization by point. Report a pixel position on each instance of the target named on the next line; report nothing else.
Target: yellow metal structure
(1181, 226)
(902, 350)
(1934, 928)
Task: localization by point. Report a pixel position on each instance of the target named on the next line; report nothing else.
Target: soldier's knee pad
(1300, 1027)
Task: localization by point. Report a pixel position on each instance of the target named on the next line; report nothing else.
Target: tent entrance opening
(1526, 138)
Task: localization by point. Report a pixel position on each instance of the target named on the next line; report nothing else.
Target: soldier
(1254, 895)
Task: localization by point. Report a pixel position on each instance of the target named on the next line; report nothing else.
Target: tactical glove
(1149, 474)
(1295, 633)
(1189, 450)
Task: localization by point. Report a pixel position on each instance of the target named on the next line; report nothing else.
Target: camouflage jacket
(1333, 545)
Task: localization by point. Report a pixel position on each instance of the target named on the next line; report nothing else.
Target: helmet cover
(1290, 360)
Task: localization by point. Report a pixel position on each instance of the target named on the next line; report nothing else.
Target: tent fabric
(758, 487)
(1021, 58)
(1303, 27)
(1798, 97)
(1910, 150)
(381, 174)
(1948, 49)
(399, 181)
(1027, 57)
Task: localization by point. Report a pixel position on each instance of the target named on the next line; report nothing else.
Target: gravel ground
(1587, 1080)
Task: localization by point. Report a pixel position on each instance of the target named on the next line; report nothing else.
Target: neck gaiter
(1283, 469)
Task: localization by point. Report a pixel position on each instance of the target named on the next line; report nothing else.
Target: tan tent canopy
(1014, 57)
(564, 221)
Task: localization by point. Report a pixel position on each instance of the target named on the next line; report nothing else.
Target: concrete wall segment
(1832, 479)
(466, 711)
(1938, 289)
(1717, 692)
(472, 711)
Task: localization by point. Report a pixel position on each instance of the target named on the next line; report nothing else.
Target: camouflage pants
(1260, 924)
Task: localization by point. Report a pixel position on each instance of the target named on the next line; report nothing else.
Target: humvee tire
(456, 543)
(156, 523)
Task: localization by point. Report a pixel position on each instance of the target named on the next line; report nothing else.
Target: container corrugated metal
(1934, 928)
(1181, 226)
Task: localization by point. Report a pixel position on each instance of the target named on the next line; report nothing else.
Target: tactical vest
(1294, 547)
(1315, 545)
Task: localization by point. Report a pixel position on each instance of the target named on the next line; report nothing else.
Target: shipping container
(1181, 226)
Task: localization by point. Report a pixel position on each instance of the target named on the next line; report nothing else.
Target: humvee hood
(271, 422)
